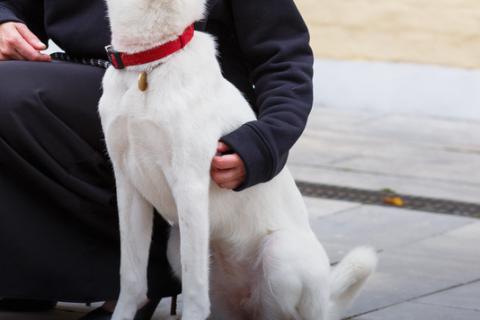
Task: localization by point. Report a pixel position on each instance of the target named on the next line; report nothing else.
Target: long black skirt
(58, 222)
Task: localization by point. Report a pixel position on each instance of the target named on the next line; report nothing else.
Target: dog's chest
(138, 159)
(139, 143)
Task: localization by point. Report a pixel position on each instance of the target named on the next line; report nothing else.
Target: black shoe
(145, 313)
(26, 305)
(147, 310)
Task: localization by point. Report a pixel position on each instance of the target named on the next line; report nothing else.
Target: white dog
(256, 246)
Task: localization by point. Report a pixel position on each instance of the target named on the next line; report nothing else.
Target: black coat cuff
(252, 148)
(7, 15)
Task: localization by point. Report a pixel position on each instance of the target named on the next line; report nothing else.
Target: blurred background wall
(412, 56)
(443, 32)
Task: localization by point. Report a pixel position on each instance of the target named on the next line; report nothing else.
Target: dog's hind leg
(295, 277)
(136, 219)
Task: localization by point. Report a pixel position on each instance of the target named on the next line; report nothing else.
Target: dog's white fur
(264, 260)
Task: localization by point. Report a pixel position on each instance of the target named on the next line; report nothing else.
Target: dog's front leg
(136, 219)
(191, 197)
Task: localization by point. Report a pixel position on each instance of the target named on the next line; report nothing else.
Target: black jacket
(263, 51)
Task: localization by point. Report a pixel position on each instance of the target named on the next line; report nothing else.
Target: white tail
(348, 277)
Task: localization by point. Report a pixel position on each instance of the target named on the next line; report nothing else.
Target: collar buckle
(114, 57)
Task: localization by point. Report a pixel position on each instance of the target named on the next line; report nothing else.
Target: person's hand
(17, 42)
(228, 170)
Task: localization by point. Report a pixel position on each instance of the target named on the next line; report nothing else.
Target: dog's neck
(143, 24)
(140, 42)
(154, 55)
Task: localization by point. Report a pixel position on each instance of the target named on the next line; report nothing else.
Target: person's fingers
(11, 54)
(8, 36)
(44, 57)
(222, 147)
(27, 51)
(227, 161)
(231, 185)
(13, 45)
(31, 38)
(226, 176)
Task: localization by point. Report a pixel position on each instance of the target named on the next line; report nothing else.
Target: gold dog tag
(142, 81)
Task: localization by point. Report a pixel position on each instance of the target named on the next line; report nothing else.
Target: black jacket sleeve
(274, 40)
(29, 12)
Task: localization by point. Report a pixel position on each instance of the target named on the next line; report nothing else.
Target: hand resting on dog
(228, 169)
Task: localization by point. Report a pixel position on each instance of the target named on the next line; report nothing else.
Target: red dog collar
(120, 60)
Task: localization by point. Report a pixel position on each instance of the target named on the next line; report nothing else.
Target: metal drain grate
(379, 198)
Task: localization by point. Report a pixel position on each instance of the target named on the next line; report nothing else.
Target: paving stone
(470, 232)
(423, 252)
(464, 297)
(460, 135)
(380, 227)
(411, 185)
(416, 311)
(389, 156)
(453, 134)
(462, 242)
(403, 275)
(439, 165)
(417, 155)
(446, 247)
(323, 207)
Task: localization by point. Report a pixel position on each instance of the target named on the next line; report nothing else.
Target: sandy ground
(444, 32)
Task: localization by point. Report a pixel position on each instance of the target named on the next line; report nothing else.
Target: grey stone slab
(329, 147)
(381, 227)
(420, 255)
(377, 154)
(442, 189)
(470, 232)
(415, 311)
(464, 297)
(318, 208)
(453, 134)
(440, 165)
(403, 275)
(419, 155)
(447, 246)
(420, 132)
(330, 119)
(420, 268)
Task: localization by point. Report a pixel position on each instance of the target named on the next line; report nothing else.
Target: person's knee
(20, 95)
(16, 89)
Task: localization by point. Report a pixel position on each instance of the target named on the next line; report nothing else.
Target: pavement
(429, 262)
